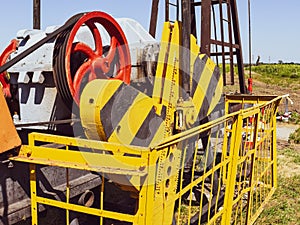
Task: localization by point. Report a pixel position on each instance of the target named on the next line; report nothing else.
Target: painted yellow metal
(258, 154)
(232, 171)
(96, 95)
(161, 63)
(166, 81)
(84, 160)
(125, 127)
(247, 164)
(33, 194)
(170, 79)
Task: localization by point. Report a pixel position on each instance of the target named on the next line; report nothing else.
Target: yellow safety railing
(221, 172)
(256, 159)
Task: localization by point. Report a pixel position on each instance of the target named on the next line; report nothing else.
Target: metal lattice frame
(229, 49)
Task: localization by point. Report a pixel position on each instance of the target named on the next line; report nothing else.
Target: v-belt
(50, 36)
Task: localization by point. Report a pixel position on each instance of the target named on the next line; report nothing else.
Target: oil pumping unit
(112, 126)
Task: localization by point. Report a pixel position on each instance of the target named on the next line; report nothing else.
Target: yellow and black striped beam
(112, 111)
(206, 82)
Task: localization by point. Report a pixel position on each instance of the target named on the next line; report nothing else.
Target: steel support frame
(185, 50)
(239, 53)
(37, 14)
(189, 27)
(205, 27)
(233, 36)
(153, 19)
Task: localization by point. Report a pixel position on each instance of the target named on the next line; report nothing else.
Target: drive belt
(50, 36)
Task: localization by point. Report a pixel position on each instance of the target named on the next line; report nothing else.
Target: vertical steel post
(167, 11)
(185, 50)
(33, 194)
(232, 168)
(223, 41)
(102, 197)
(239, 53)
(36, 14)
(230, 43)
(153, 19)
(250, 44)
(257, 119)
(205, 27)
(273, 146)
(193, 19)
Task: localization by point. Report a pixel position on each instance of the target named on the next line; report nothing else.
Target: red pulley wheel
(4, 78)
(76, 62)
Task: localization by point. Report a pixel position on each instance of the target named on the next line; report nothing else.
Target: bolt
(28, 153)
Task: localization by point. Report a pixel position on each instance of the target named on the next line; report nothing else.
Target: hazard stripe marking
(210, 92)
(148, 130)
(114, 110)
(199, 66)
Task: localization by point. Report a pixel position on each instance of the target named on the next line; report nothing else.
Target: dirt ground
(287, 167)
(261, 88)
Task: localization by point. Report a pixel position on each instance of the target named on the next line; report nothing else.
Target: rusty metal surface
(239, 53)
(229, 23)
(153, 18)
(231, 50)
(205, 27)
(228, 26)
(36, 14)
(186, 32)
(9, 137)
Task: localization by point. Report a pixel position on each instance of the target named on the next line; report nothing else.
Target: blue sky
(275, 29)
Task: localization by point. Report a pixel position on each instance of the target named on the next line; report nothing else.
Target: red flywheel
(4, 80)
(76, 61)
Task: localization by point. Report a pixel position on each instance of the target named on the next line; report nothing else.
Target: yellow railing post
(147, 192)
(253, 162)
(235, 144)
(33, 194)
(274, 151)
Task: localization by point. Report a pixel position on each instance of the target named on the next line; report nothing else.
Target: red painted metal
(12, 47)
(98, 63)
(250, 84)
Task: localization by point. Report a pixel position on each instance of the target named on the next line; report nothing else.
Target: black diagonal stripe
(114, 110)
(148, 129)
(199, 66)
(210, 92)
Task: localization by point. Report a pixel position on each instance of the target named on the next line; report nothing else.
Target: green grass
(295, 137)
(295, 118)
(279, 74)
(285, 204)
(283, 208)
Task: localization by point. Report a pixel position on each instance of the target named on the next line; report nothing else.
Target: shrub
(295, 136)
